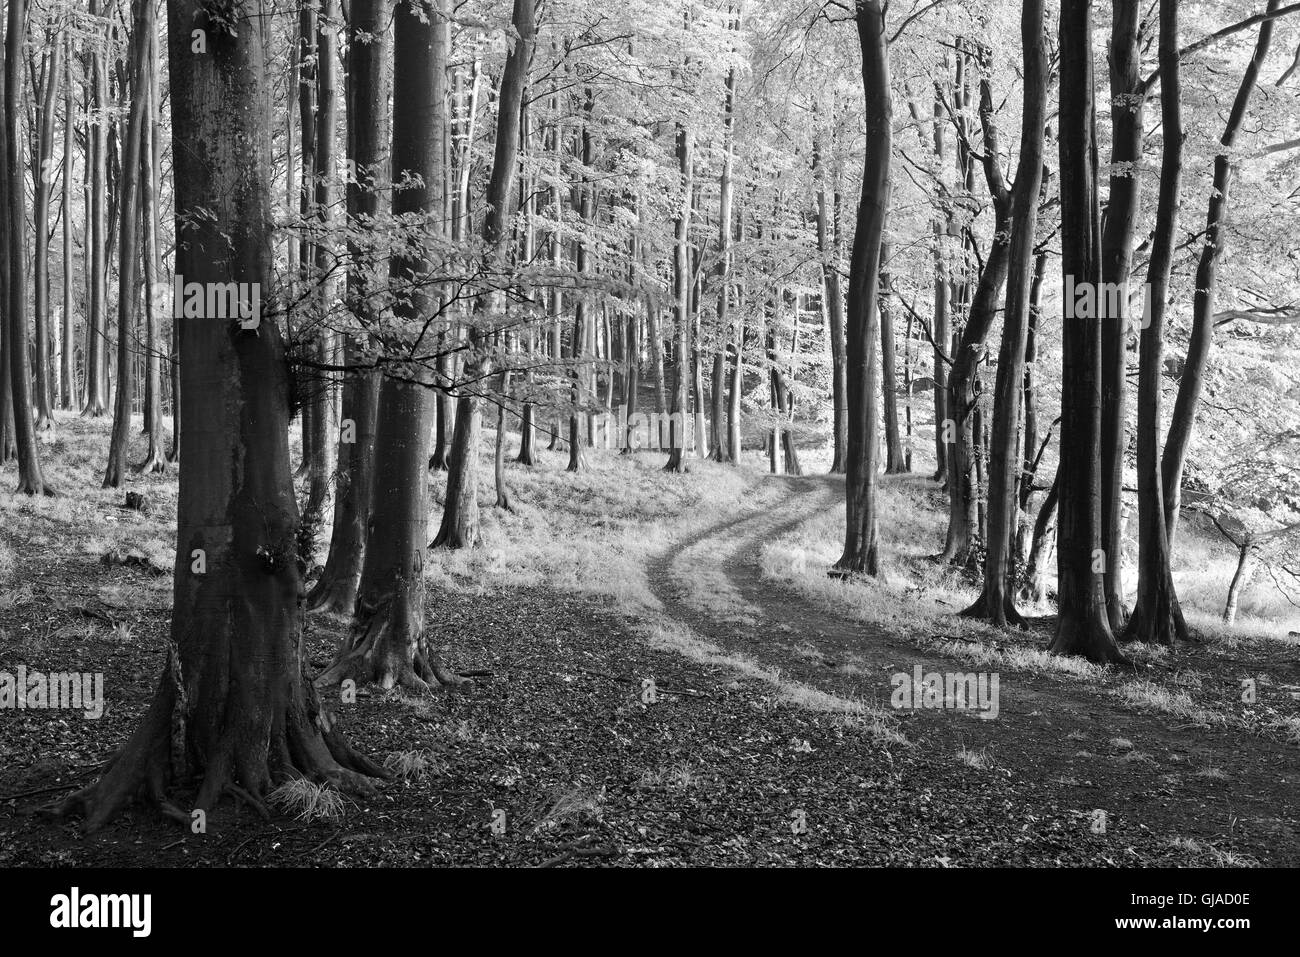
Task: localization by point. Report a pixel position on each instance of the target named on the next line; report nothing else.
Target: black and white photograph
(767, 436)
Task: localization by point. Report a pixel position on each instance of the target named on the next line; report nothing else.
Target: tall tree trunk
(861, 537)
(723, 334)
(96, 170)
(142, 15)
(894, 461)
(155, 459)
(1083, 627)
(387, 643)
(1157, 616)
(319, 437)
(68, 355)
(997, 600)
(232, 710)
(1122, 210)
(368, 131)
(678, 411)
(43, 168)
(962, 378)
(31, 481)
(1181, 423)
(460, 514)
(828, 246)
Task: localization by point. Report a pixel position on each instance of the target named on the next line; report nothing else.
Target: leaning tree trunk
(1192, 382)
(997, 599)
(460, 513)
(1082, 624)
(962, 399)
(861, 538)
(368, 129)
(232, 709)
(128, 254)
(31, 481)
(1157, 617)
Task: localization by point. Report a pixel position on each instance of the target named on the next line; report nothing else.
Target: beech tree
(233, 713)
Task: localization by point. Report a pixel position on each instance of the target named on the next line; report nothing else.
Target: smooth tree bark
(31, 480)
(43, 176)
(95, 401)
(460, 514)
(861, 534)
(1122, 209)
(962, 393)
(726, 192)
(68, 390)
(233, 714)
(142, 16)
(677, 410)
(1183, 419)
(368, 130)
(828, 248)
(1157, 617)
(1083, 627)
(155, 459)
(895, 460)
(997, 597)
(387, 644)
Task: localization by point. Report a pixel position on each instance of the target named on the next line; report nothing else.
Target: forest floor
(666, 677)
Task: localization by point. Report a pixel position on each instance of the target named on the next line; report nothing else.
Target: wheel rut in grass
(1069, 735)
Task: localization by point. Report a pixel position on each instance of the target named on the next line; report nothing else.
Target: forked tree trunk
(997, 598)
(232, 710)
(959, 427)
(1082, 624)
(387, 643)
(861, 536)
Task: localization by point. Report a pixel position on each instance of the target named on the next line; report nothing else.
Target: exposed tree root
(1000, 612)
(302, 742)
(382, 650)
(1088, 637)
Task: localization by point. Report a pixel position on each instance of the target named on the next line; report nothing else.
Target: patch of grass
(414, 765)
(1149, 696)
(310, 802)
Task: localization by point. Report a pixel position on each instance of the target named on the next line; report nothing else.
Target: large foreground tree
(233, 714)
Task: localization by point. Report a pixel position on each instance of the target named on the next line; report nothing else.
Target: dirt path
(1074, 746)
